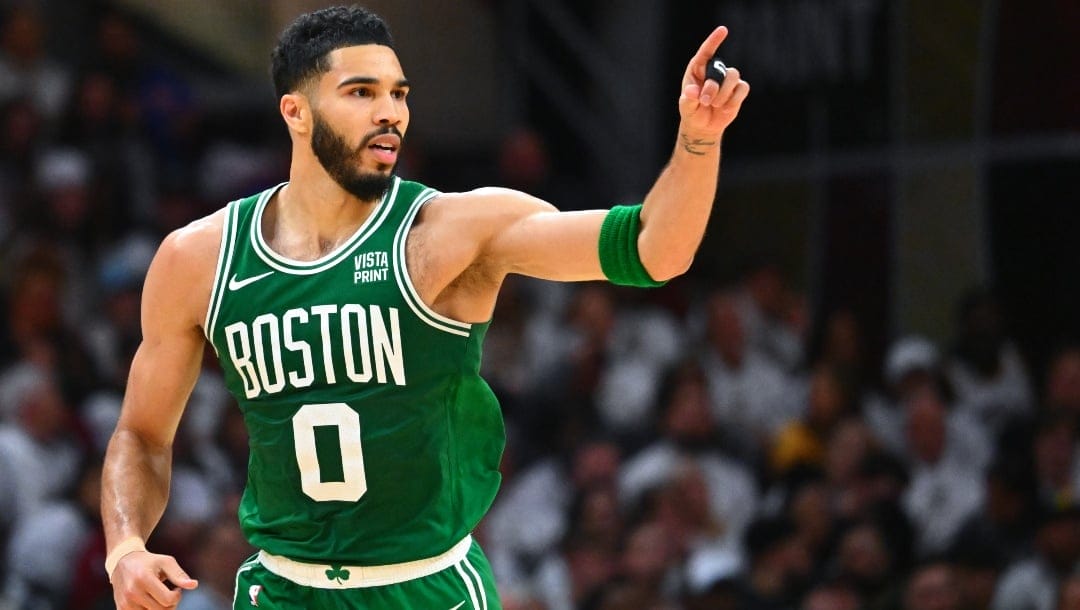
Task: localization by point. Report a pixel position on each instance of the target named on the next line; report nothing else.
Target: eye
(399, 94)
(362, 92)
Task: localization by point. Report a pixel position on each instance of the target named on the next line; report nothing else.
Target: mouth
(385, 148)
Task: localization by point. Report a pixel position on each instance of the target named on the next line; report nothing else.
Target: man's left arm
(677, 208)
(530, 237)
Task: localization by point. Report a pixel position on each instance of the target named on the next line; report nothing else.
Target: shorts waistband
(352, 577)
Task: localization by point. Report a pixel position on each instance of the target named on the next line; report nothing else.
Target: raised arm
(528, 236)
(677, 207)
(138, 462)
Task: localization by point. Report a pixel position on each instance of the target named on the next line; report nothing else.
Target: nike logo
(235, 284)
(458, 606)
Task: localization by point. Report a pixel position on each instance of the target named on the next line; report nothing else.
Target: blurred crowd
(706, 445)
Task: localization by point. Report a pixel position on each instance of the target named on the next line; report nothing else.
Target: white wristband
(118, 552)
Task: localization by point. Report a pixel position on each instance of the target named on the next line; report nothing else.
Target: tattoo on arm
(696, 146)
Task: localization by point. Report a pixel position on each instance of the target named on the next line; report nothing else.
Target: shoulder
(483, 205)
(181, 277)
(193, 247)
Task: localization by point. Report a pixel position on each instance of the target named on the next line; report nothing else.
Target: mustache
(379, 132)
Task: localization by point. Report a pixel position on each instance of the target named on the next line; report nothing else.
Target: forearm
(135, 486)
(676, 210)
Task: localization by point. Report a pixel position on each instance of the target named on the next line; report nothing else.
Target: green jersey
(372, 437)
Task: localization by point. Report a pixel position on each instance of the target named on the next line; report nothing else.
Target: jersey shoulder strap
(226, 253)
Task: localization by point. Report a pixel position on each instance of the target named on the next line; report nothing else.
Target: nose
(387, 111)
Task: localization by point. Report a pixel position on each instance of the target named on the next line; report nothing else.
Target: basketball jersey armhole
(404, 280)
(225, 256)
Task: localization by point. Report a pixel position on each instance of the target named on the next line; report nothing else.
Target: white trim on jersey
(322, 576)
(225, 256)
(295, 267)
(404, 280)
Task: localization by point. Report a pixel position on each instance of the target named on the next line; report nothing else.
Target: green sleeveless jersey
(373, 439)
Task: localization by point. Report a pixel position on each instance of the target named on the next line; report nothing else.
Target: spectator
(978, 567)
(841, 347)
(932, 586)
(575, 576)
(221, 548)
(113, 336)
(21, 131)
(804, 442)
(224, 457)
(729, 495)
(523, 162)
(46, 546)
(681, 507)
(720, 594)
(777, 565)
(542, 495)
(1057, 461)
(1062, 392)
(911, 363)
(648, 578)
(38, 450)
(772, 316)
(946, 489)
(985, 368)
(90, 588)
(24, 67)
(1069, 594)
(831, 596)
(646, 341)
(505, 364)
(752, 398)
(865, 559)
(810, 507)
(99, 123)
(562, 404)
(1002, 529)
(1034, 582)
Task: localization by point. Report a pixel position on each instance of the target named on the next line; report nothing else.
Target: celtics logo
(337, 573)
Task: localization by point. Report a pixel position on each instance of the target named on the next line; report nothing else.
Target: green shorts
(459, 579)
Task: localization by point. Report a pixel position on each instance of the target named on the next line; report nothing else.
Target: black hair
(302, 49)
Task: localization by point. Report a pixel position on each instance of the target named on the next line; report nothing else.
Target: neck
(312, 215)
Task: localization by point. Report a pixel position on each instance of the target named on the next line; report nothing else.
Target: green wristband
(619, 257)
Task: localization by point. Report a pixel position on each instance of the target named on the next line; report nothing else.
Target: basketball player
(348, 308)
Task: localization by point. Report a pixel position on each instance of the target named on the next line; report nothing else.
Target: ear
(296, 111)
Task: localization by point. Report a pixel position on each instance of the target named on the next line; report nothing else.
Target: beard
(339, 160)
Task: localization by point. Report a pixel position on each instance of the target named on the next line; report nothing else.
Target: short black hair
(302, 48)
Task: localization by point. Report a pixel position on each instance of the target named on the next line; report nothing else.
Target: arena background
(893, 157)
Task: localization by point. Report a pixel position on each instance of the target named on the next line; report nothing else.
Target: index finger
(706, 51)
(161, 594)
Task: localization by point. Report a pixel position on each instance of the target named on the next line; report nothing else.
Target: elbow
(668, 267)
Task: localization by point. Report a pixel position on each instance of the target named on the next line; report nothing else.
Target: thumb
(177, 576)
(691, 92)
(689, 100)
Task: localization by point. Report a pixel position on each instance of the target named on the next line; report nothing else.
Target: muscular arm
(138, 461)
(492, 232)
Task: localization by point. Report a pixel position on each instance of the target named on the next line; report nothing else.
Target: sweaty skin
(458, 252)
